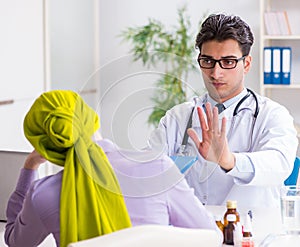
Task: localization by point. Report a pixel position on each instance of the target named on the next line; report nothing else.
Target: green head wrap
(60, 126)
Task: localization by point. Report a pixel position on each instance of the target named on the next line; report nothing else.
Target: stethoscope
(182, 149)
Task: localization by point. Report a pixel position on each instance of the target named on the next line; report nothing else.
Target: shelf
(281, 37)
(276, 86)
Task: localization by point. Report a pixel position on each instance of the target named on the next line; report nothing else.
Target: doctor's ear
(247, 63)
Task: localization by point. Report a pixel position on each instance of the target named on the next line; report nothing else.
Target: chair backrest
(294, 178)
(154, 236)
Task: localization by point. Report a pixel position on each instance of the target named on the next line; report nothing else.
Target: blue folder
(276, 65)
(292, 179)
(268, 65)
(184, 162)
(286, 65)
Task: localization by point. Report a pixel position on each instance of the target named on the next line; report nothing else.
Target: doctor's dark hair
(220, 27)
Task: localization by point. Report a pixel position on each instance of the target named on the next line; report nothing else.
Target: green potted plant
(154, 45)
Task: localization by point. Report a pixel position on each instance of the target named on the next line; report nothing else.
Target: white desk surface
(265, 221)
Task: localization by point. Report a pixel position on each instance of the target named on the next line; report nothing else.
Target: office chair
(294, 177)
(154, 236)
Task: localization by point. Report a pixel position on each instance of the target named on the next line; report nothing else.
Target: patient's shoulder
(45, 195)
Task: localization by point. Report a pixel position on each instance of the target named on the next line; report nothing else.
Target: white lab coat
(260, 169)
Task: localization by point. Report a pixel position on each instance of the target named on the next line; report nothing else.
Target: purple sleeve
(187, 211)
(24, 227)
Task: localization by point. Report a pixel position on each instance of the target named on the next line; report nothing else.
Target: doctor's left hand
(214, 145)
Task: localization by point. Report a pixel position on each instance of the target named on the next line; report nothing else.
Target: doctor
(246, 147)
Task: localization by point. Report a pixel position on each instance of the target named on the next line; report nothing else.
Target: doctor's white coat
(265, 152)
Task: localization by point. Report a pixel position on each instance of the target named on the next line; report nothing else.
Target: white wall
(126, 88)
(71, 44)
(48, 44)
(21, 65)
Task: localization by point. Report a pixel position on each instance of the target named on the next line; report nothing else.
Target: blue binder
(286, 65)
(267, 65)
(293, 178)
(276, 65)
(184, 162)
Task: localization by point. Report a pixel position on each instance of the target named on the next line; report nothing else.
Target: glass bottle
(218, 219)
(247, 234)
(231, 209)
(229, 229)
(238, 234)
(247, 226)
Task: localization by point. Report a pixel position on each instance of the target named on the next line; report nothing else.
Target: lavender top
(155, 192)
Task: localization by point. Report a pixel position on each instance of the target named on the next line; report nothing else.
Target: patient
(100, 190)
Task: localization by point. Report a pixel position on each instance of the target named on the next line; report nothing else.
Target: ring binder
(276, 65)
(267, 65)
(286, 65)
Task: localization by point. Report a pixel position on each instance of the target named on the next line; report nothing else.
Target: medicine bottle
(229, 229)
(218, 219)
(238, 234)
(231, 209)
(247, 226)
(247, 242)
(247, 234)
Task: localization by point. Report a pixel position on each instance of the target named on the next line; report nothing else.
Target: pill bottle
(229, 229)
(231, 209)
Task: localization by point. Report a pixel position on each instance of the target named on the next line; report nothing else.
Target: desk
(265, 221)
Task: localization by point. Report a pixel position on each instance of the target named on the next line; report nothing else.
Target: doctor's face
(227, 82)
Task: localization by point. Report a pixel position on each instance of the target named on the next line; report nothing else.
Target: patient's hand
(34, 160)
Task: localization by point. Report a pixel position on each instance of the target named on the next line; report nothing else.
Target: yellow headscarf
(60, 126)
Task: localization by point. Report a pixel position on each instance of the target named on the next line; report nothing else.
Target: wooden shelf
(277, 86)
(281, 37)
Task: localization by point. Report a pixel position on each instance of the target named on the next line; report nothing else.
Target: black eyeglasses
(225, 63)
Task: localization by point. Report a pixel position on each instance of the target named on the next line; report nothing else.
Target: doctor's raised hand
(214, 146)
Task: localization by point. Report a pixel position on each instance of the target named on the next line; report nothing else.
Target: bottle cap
(231, 204)
(231, 217)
